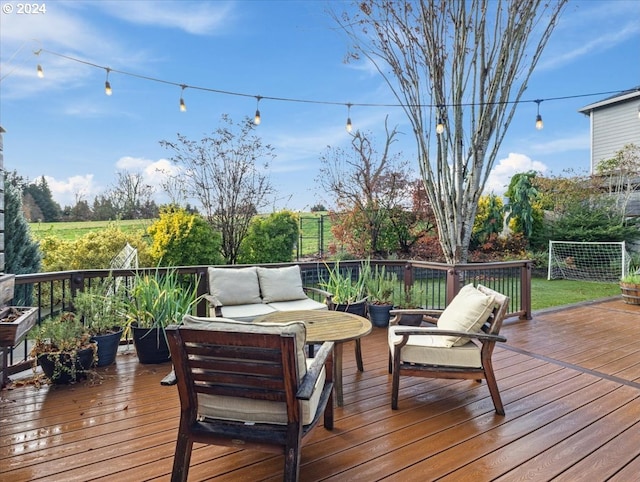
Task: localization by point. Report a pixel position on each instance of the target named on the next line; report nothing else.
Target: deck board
(569, 380)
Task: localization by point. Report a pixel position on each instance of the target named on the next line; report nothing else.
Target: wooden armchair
(248, 386)
(460, 346)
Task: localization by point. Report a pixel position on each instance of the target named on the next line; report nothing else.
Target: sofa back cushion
(467, 312)
(234, 286)
(281, 284)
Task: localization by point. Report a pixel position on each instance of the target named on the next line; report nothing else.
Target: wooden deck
(570, 381)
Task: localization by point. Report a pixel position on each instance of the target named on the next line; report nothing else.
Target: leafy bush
(270, 239)
(94, 250)
(181, 238)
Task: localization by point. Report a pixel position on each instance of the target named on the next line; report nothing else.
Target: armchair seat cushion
(258, 411)
(434, 350)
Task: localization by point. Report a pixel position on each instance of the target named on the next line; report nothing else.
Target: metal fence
(53, 292)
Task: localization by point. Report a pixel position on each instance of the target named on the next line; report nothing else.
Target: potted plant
(630, 287)
(156, 301)
(380, 288)
(62, 347)
(347, 288)
(407, 300)
(103, 310)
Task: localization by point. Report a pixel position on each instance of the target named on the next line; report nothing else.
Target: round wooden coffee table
(326, 325)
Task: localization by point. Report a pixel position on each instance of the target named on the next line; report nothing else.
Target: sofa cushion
(234, 286)
(293, 305)
(246, 313)
(467, 312)
(281, 284)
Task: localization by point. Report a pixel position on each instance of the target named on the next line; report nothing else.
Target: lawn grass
(544, 293)
(551, 293)
(70, 231)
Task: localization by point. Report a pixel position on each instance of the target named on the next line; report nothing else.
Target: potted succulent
(157, 300)
(103, 309)
(62, 347)
(630, 287)
(380, 288)
(348, 289)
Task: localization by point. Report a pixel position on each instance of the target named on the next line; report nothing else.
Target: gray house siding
(614, 124)
(612, 129)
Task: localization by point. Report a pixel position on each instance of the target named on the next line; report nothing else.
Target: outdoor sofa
(246, 293)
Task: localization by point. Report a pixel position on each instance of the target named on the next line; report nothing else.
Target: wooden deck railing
(52, 292)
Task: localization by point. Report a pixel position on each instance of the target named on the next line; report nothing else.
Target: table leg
(337, 372)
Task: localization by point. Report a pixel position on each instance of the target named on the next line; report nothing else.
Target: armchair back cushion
(234, 286)
(281, 284)
(467, 312)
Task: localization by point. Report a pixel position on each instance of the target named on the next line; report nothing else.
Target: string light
(439, 125)
(183, 107)
(39, 70)
(539, 123)
(349, 127)
(256, 119)
(107, 85)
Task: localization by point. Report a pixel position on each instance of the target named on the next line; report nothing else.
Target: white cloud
(198, 18)
(501, 174)
(154, 172)
(68, 191)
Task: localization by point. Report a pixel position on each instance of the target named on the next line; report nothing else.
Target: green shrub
(94, 250)
(270, 239)
(181, 238)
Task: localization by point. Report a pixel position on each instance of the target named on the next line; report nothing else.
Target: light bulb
(40, 71)
(439, 127)
(539, 123)
(107, 88)
(349, 127)
(256, 119)
(183, 107)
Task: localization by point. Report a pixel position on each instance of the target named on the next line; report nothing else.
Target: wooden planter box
(630, 293)
(15, 322)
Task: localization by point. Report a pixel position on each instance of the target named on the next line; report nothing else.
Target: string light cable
(257, 119)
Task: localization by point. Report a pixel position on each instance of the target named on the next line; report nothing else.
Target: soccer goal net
(588, 261)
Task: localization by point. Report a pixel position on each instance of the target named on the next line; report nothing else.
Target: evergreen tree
(41, 194)
(22, 253)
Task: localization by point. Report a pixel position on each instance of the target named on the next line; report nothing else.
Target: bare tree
(221, 171)
(622, 175)
(131, 196)
(462, 65)
(371, 183)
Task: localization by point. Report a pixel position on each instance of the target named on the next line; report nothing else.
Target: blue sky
(65, 128)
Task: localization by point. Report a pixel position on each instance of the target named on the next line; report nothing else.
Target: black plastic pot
(107, 347)
(379, 315)
(59, 367)
(151, 345)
